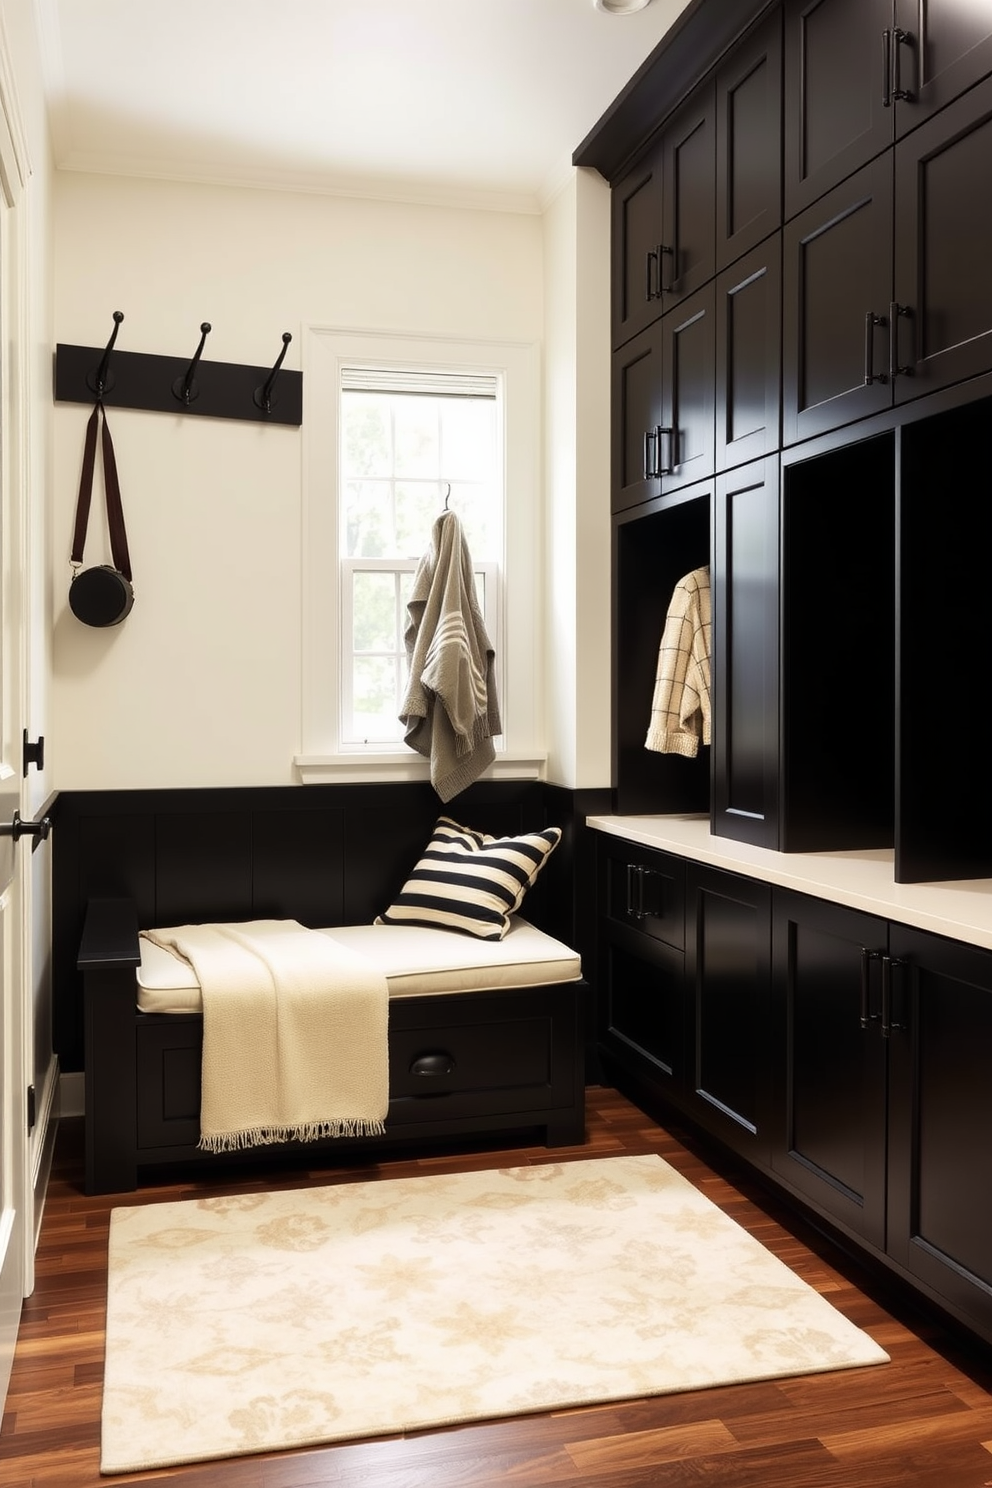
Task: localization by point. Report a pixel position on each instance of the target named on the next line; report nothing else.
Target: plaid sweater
(680, 709)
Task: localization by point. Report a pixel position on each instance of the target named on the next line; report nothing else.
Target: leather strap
(115, 508)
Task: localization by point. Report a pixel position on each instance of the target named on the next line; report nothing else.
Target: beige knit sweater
(680, 708)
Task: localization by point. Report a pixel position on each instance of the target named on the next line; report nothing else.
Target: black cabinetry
(884, 1039)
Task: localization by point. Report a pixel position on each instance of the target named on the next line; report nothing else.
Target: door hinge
(32, 1111)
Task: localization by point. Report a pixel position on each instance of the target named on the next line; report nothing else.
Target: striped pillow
(470, 882)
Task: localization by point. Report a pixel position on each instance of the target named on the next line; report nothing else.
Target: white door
(15, 1199)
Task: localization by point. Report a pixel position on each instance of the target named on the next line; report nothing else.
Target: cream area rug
(273, 1320)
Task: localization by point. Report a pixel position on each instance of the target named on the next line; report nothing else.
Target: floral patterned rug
(263, 1321)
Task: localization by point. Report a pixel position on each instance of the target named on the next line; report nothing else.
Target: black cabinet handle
(433, 1065)
(871, 321)
(895, 312)
(662, 431)
(887, 67)
(889, 1021)
(900, 38)
(867, 957)
(660, 251)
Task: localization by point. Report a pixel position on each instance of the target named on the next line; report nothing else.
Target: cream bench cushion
(415, 960)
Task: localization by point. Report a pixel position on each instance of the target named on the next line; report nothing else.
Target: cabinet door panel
(636, 208)
(940, 1158)
(749, 143)
(947, 49)
(835, 114)
(638, 415)
(689, 358)
(830, 1145)
(749, 356)
(727, 976)
(837, 272)
(689, 217)
(745, 655)
(643, 1012)
(943, 247)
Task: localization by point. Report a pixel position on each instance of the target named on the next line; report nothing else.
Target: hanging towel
(450, 711)
(680, 709)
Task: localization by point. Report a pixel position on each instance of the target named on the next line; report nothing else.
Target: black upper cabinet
(749, 143)
(662, 404)
(860, 74)
(749, 356)
(663, 210)
(836, 119)
(941, 329)
(837, 285)
(939, 50)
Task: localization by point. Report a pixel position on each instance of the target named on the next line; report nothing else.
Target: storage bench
(484, 1038)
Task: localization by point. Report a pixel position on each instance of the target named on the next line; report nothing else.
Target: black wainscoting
(325, 855)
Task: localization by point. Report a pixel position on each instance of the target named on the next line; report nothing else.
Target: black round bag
(104, 595)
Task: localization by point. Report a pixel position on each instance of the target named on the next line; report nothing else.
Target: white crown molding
(408, 192)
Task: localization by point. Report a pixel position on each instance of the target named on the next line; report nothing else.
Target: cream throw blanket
(294, 1033)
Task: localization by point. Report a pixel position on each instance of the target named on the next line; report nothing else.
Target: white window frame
(522, 752)
(396, 566)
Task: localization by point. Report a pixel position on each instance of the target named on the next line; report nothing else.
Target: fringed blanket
(294, 1034)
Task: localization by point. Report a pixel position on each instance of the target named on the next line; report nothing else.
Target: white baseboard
(72, 1094)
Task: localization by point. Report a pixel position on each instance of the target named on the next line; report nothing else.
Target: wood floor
(922, 1421)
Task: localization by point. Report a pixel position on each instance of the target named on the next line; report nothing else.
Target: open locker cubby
(838, 649)
(654, 546)
(944, 646)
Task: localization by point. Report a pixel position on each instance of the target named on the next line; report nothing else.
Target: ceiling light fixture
(620, 7)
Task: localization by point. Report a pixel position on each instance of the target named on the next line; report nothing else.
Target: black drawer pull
(433, 1065)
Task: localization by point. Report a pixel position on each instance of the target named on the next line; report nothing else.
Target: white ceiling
(478, 102)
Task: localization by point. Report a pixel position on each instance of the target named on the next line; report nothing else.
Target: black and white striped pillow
(470, 882)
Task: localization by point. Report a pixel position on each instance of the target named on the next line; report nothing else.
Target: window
(412, 440)
(393, 427)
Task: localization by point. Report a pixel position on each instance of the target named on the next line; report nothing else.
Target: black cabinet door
(685, 444)
(688, 144)
(837, 277)
(745, 672)
(836, 115)
(940, 49)
(830, 1060)
(643, 889)
(749, 356)
(942, 311)
(940, 1116)
(636, 213)
(749, 143)
(728, 971)
(642, 1009)
(640, 442)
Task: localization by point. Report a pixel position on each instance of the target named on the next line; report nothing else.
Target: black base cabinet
(847, 1058)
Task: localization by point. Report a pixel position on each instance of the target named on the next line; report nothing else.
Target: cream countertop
(960, 909)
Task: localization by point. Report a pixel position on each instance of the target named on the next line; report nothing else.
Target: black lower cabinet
(847, 1058)
(830, 1061)
(728, 974)
(940, 1118)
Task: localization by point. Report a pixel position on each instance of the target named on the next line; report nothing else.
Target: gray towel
(450, 711)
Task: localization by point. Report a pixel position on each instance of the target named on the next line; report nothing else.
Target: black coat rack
(165, 384)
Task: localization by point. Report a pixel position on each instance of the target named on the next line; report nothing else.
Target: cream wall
(577, 427)
(201, 685)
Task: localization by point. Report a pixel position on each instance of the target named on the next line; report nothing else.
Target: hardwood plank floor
(923, 1421)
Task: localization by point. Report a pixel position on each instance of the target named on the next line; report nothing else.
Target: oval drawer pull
(441, 1063)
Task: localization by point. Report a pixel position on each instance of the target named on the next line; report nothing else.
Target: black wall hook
(262, 396)
(102, 380)
(185, 388)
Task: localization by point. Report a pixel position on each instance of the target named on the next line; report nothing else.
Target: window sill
(357, 769)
